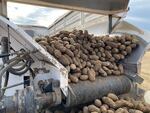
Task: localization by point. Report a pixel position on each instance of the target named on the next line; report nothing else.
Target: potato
(85, 109)
(116, 56)
(42, 42)
(108, 47)
(110, 111)
(79, 52)
(93, 57)
(50, 49)
(123, 103)
(97, 67)
(73, 67)
(57, 53)
(115, 50)
(128, 49)
(98, 103)
(74, 79)
(120, 110)
(103, 109)
(102, 72)
(134, 111)
(77, 74)
(91, 74)
(109, 102)
(69, 58)
(113, 96)
(101, 49)
(69, 52)
(122, 47)
(64, 60)
(108, 71)
(75, 61)
(93, 108)
(85, 71)
(106, 63)
(112, 44)
(84, 77)
(108, 54)
(116, 72)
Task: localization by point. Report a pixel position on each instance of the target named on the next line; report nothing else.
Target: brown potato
(113, 96)
(84, 77)
(57, 53)
(109, 102)
(85, 109)
(64, 60)
(103, 109)
(91, 74)
(110, 111)
(98, 103)
(93, 108)
(69, 52)
(74, 79)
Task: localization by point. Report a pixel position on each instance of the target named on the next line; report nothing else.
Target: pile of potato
(113, 104)
(86, 56)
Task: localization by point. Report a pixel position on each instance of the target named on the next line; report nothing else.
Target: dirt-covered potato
(93, 108)
(74, 79)
(91, 74)
(80, 51)
(113, 96)
(98, 103)
(109, 102)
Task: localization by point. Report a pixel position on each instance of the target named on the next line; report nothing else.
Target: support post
(3, 8)
(109, 24)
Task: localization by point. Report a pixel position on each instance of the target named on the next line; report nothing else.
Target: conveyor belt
(86, 91)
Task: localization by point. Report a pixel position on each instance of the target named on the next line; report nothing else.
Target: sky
(139, 14)
(33, 15)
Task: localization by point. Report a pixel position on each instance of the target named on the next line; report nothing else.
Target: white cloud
(33, 15)
(138, 19)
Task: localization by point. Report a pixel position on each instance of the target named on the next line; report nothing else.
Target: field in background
(145, 71)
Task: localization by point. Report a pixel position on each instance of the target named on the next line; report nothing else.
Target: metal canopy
(93, 6)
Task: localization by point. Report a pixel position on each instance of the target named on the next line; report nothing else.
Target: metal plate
(93, 6)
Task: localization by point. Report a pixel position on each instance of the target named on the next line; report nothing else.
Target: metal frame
(19, 39)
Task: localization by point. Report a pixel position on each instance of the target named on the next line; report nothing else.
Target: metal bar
(21, 83)
(109, 24)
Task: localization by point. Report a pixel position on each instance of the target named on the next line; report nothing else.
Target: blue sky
(139, 14)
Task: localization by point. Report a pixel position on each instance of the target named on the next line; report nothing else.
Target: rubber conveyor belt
(86, 91)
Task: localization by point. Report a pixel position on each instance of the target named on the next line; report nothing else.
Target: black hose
(5, 50)
(15, 72)
(5, 82)
(20, 67)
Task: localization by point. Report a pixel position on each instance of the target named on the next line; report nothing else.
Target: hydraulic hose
(8, 66)
(5, 50)
(21, 72)
(21, 67)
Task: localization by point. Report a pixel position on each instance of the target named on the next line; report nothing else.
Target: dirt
(145, 71)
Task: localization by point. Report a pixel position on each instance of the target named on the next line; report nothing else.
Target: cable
(5, 83)
(23, 71)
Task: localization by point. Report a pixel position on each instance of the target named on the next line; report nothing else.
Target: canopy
(94, 6)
